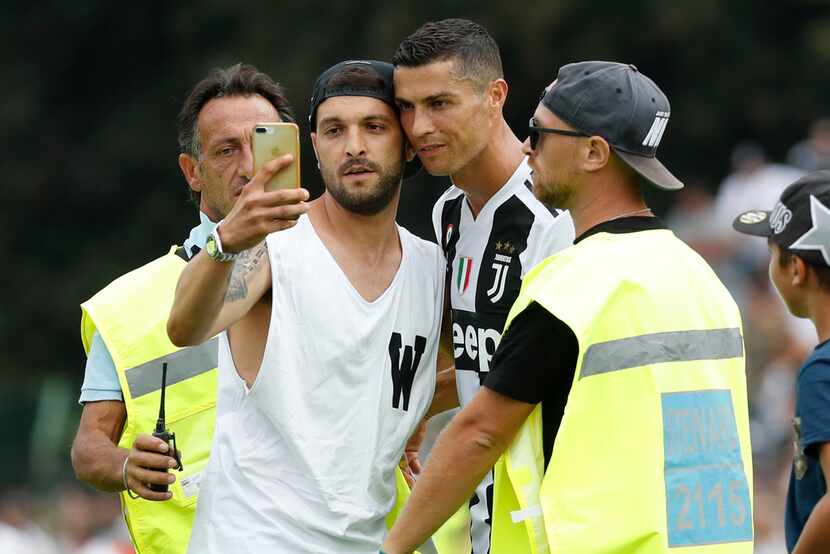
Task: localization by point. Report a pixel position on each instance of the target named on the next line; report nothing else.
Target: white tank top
(304, 461)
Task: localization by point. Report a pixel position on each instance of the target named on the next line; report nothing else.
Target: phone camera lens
(261, 130)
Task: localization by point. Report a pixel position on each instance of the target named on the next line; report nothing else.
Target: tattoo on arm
(244, 267)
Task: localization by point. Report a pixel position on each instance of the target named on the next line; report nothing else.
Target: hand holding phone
(272, 140)
(274, 189)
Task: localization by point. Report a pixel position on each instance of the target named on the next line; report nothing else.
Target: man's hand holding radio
(149, 462)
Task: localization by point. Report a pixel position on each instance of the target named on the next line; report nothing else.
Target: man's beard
(364, 202)
(552, 195)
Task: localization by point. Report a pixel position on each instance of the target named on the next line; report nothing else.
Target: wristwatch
(213, 247)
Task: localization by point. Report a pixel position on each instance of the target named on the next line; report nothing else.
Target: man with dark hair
(123, 328)
(616, 408)
(328, 323)
(797, 230)
(451, 91)
(237, 80)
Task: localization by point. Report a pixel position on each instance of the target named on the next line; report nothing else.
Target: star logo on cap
(818, 237)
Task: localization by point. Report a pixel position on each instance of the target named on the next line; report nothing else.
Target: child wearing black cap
(798, 232)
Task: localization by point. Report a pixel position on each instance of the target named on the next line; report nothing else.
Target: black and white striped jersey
(487, 256)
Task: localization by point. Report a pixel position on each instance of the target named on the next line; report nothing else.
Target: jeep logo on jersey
(474, 345)
(404, 365)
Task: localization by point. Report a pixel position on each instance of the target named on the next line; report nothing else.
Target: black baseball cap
(382, 88)
(620, 104)
(799, 221)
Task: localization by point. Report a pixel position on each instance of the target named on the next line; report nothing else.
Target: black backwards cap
(799, 221)
(382, 90)
(620, 104)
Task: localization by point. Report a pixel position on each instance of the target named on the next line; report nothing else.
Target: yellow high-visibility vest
(131, 316)
(653, 452)
(453, 537)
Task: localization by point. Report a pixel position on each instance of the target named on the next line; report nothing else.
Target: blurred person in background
(797, 229)
(451, 91)
(86, 522)
(754, 181)
(753, 178)
(124, 329)
(110, 536)
(618, 388)
(328, 316)
(19, 534)
(812, 153)
(692, 220)
(74, 517)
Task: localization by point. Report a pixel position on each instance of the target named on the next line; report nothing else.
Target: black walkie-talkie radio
(163, 433)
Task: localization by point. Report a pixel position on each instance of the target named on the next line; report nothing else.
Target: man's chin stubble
(372, 203)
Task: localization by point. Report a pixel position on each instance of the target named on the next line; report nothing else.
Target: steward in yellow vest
(615, 409)
(124, 329)
(131, 317)
(652, 451)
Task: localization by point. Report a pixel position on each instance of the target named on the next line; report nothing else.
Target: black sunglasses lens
(533, 136)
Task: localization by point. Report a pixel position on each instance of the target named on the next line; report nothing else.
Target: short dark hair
(822, 272)
(237, 80)
(465, 41)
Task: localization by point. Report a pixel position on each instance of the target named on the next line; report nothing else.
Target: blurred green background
(91, 187)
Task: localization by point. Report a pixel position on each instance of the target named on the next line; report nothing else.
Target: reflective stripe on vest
(181, 365)
(131, 316)
(657, 348)
(653, 451)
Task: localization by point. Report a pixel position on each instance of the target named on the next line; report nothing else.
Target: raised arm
(212, 295)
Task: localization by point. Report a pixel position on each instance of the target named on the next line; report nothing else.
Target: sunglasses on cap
(534, 132)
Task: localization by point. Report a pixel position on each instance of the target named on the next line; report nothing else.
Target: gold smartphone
(272, 140)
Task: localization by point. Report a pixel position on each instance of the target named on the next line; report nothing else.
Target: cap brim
(753, 222)
(652, 170)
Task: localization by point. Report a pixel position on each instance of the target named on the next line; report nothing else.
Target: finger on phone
(285, 196)
(272, 166)
(264, 175)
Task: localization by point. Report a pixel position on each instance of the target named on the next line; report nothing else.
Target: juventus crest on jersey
(486, 257)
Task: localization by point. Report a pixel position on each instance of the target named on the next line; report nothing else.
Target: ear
(497, 93)
(596, 153)
(190, 170)
(798, 270)
(314, 147)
